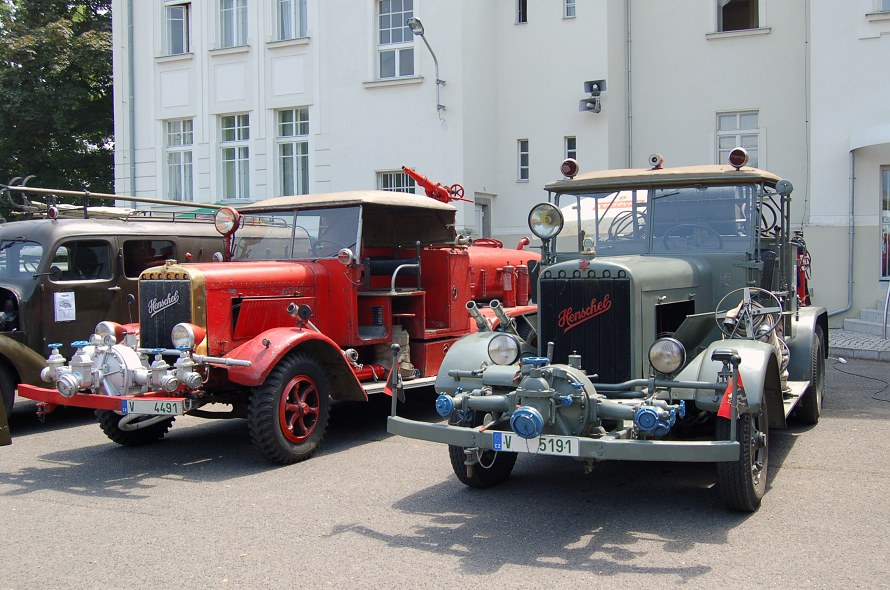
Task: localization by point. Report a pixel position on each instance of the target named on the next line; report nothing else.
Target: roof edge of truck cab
(641, 177)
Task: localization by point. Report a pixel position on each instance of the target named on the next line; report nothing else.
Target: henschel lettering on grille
(156, 306)
(569, 318)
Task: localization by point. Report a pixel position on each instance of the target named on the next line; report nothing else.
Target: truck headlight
(667, 355)
(226, 220)
(109, 333)
(503, 349)
(186, 336)
(545, 220)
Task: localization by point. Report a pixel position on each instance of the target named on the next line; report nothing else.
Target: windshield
(657, 220)
(297, 235)
(19, 259)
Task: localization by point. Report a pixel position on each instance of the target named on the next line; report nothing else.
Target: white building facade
(233, 101)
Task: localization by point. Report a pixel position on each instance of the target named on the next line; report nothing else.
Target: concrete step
(872, 315)
(863, 326)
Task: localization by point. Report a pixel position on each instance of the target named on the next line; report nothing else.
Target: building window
(738, 129)
(179, 138)
(521, 11)
(523, 160)
(232, 23)
(569, 9)
(396, 181)
(883, 5)
(395, 41)
(291, 19)
(235, 156)
(292, 138)
(737, 15)
(571, 148)
(885, 222)
(176, 15)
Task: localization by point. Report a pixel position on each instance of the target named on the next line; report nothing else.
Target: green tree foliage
(56, 105)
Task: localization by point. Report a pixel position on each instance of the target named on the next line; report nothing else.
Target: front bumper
(596, 449)
(53, 398)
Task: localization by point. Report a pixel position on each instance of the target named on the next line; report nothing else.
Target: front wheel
(490, 468)
(133, 431)
(288, 414)
(742, 483)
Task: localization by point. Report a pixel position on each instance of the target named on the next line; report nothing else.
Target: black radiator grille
(162, 305)
(590, 317)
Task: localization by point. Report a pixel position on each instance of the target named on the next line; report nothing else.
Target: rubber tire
(109, 421)
(739, 487)
(810, 406)
(500, 465)
(265, 414)
(7, 388)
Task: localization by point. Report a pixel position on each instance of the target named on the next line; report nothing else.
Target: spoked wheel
(742, 483)
(133, 431)
(288, 414)
(490, 469)
(810, 407)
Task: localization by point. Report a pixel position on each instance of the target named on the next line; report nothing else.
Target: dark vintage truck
(314, 292)
(65, 268)
(674, 325)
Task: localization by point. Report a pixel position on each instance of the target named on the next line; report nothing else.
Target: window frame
(570, 147)
(740, 134)
(721, 4)
(185, 35)
(399, 48)
(569, 9)
(395, 181)
(522, 164)
(884, 248)
(239, 16)
(185, 171)
(297, 11)
(239, 146)
(297, 162)
(521, 12)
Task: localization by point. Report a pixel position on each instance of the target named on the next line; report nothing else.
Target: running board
(377, 387)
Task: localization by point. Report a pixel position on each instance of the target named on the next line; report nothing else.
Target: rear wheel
(810, 407)
(742, 483)
(490, 468)
(288, 414)
(134, 431)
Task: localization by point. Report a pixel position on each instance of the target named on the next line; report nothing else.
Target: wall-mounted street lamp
(417, 28)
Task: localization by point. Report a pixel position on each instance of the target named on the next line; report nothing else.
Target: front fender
(470, 353)
(281, 342)
(800, 345)
(25, 361)
(760, 375)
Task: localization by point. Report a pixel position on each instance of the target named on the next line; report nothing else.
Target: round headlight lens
(186, 335)
(503, 349)
(545, 221)
(226, 220)
(109, 332)
(667, 355)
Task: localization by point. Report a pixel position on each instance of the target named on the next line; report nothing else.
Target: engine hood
(259, 277)
(648, 273)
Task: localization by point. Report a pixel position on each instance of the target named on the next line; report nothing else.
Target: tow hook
(44, 408)
(470, 461)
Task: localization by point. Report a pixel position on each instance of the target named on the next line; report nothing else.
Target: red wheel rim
(299, 408)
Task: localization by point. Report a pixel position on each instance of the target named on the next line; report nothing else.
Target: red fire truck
(307, 303)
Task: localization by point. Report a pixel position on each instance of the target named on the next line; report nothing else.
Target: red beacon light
(52, 212)
(738, 157)
(569, 168)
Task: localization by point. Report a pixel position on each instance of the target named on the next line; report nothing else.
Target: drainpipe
(852, 232)
(131, 110)
(630, 125)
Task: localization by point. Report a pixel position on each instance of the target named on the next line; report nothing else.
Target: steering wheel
(692, 236)
(623, 223)
(754, 317)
